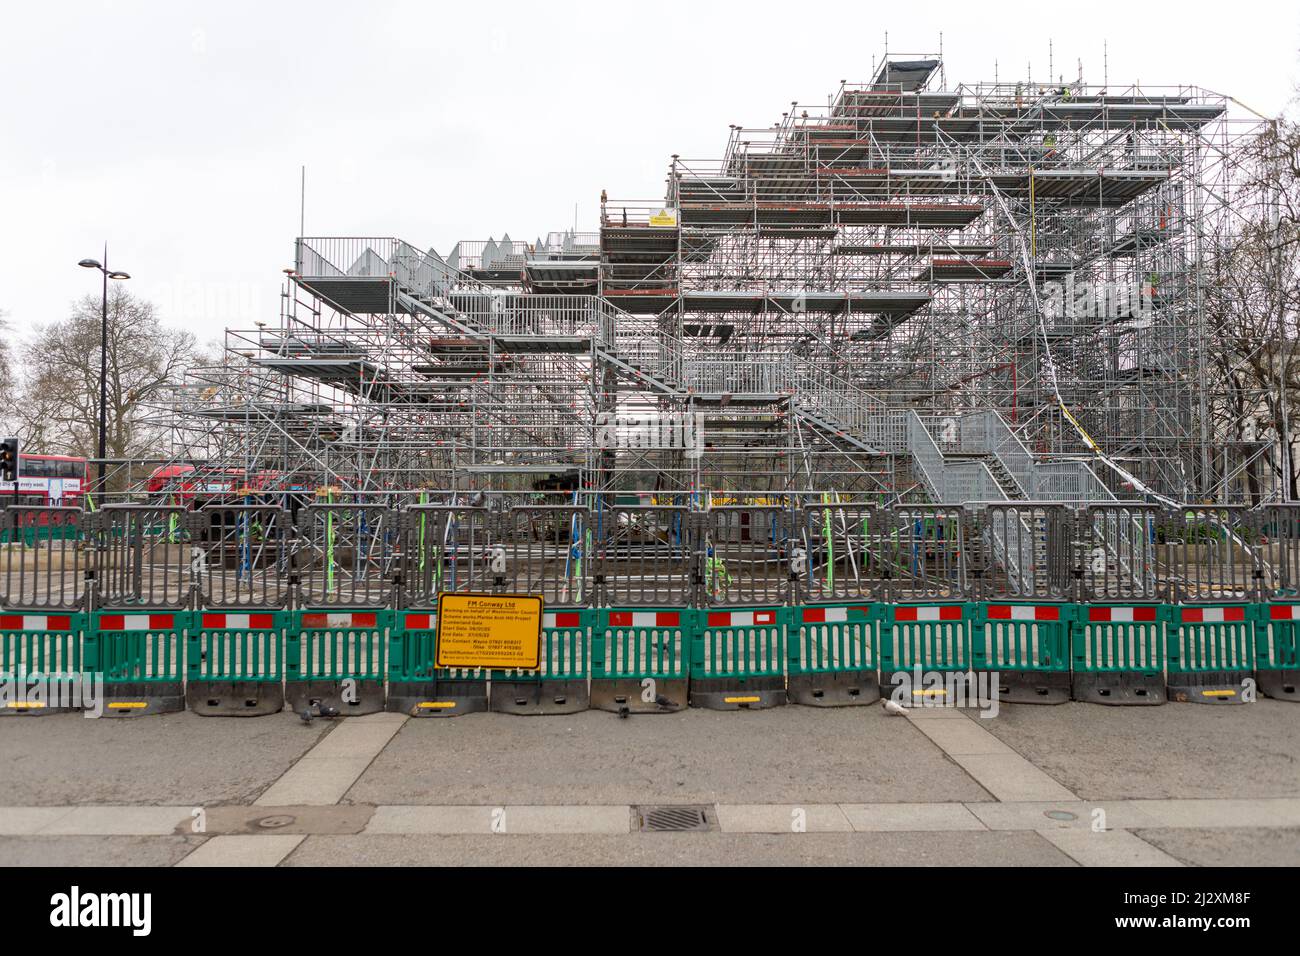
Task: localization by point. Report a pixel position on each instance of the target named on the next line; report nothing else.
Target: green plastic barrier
(1210, 653)
(40, 659)
(1028, 646)
(416, 686)
(559, 685)
(142, 656)
(1277, 651)
(1117, 654)
(918, 639)
(834, 654)
(738, 658)
(640, 659)
(234, 663)
(335, 661)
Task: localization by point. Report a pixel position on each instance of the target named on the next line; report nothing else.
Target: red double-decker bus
(193, 487)
(47, 481)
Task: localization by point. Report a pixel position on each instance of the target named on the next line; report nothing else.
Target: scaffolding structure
(908, 292)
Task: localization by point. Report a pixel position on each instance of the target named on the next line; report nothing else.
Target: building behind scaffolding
(910, 291)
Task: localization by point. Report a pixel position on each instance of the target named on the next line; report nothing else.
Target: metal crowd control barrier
(646, 576)
(1023, 551)
(347, 555)
(41, 654)
(446, 549)
(141, 556)
(927, 549)
(240, 556)
(738, 652)
(1118, 559)
(1211, 554)
(142, 656)
(234, 663)
(1280, 546)
(336, 660)
(839, 566)
(41, 563)
(545, 550)
(648, 607)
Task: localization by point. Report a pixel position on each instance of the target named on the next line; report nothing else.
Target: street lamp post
(103, 359)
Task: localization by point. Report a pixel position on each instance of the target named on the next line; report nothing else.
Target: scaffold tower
(909, 291)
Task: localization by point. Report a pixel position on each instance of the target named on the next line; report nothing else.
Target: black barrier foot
(1209, 687)
(1120, 688)
(627, 696)
(234, 698)
(540, 697)
(1033, 687)
(141, 698)
(1279, 684)
(355, 700)
(834, 689)
(741, 693)
(437, 698)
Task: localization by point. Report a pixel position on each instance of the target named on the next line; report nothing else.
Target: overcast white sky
(175, 131)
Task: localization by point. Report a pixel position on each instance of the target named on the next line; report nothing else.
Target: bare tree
(6, 375)
(1252, 302)
(59, 406)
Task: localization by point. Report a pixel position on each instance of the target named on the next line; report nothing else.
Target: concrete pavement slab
(267, 850)
(1108, 848)
(1173, 751)
(1011, 777)
(781, 818)
(114, 851)
(683, 849)
(790, 755)
(64, 759)
(886, 817)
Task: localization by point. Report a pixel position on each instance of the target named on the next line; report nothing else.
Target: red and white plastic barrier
(945, 612)
(35, 622)
(340, 619)
(219, 621)
(137, 622)
(741, 618)
(1212, 615)
(645, 619)
(1284, 612)
(830, 615)
(1023, 612)
(1121, 615)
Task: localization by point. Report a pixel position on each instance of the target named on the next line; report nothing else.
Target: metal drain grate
(673, 819)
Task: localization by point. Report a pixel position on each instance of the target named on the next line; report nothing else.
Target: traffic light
(8, 459)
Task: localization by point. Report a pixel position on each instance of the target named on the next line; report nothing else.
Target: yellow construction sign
(489, 630)
(664, 217)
